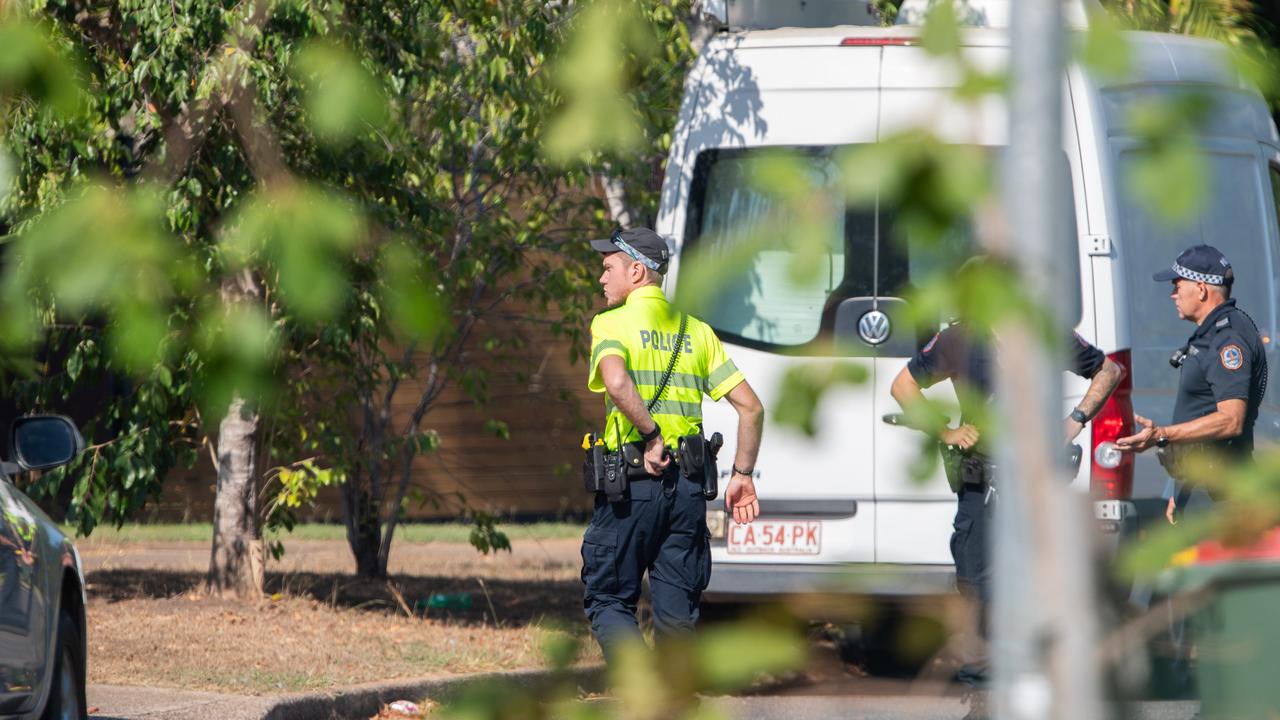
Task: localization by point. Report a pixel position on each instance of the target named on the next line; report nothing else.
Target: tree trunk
(236, 561)
(365, 548)
(701, 25)
(615, 196)
(360, 515)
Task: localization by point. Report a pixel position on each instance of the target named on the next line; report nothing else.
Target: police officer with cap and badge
(1223, 374)
(652, 469)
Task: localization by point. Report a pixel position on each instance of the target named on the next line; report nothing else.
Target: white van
(845, 502)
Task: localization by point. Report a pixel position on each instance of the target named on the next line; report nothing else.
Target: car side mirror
(41, 442)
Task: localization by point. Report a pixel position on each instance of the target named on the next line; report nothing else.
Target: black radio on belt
(610, 472)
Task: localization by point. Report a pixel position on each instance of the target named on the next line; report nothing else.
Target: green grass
(253, 681)
(414, 532)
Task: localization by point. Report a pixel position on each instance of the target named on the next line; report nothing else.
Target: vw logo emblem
(873, 327)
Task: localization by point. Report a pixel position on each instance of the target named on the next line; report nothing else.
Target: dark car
(42, 618)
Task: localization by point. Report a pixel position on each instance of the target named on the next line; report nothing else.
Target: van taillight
(876, 41)
(1112, 477)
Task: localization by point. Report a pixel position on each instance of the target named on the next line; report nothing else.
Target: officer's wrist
(749, 472)
(1160, 438)
(648, 437)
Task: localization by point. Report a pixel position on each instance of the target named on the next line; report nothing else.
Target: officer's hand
(740, 499)
(1141, 440)
(965, 436)
(656, 458)
(1171, 511)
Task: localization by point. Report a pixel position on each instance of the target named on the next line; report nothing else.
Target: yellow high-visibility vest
(643, 332)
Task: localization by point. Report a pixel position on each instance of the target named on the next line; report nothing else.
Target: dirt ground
(320, 627)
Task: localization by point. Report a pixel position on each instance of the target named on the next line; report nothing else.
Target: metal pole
(1043, 617)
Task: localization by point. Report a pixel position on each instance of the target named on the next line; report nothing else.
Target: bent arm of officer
(622, 390)
(750, 424)
(1103, 383)
(1222, 424)
(919, 411)
(906, 390)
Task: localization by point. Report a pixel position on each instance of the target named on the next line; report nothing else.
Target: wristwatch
(1162, 441)
(645, 437)
(1079, 416)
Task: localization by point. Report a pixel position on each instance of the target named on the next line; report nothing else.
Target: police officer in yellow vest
(659, 524)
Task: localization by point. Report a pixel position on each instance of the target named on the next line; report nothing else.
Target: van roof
(1156, 57)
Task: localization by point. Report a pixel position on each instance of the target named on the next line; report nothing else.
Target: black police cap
(641, 244)
(1199, 263)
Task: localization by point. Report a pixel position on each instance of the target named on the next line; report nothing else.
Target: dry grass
(321, 628)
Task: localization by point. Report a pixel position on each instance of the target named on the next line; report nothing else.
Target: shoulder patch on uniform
(1223, 322)
(1232, 357)
(929, 346)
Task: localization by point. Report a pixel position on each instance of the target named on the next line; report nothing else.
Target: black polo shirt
(1225, 361)
(954, 355)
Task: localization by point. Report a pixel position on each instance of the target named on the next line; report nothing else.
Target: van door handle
(900, 420)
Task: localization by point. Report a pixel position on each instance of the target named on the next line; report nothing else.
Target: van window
(1275, 192)
(764, 304)
(1232, 220)
(764, 307)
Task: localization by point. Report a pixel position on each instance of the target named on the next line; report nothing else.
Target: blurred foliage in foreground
(646, 685)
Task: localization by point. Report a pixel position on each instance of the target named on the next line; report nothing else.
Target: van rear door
(775, 321)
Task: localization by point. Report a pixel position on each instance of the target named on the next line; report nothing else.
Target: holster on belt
(697, 457)
(964, 468)
(976, 471)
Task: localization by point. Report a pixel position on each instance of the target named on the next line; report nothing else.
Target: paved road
(831, 689)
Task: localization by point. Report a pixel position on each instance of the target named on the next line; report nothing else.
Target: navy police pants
(969, 549)
(662, 529)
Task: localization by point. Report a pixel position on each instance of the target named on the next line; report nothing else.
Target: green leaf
(1177, 201)
(32, 66)
(308, 235)
(731, 657)
(342, 98)
(607, 42)
(1103, 48)
(75, 363)
(411, 292)
(105, 250)
(941, 34)
(498, 429)
(560, 649)
(804, 386)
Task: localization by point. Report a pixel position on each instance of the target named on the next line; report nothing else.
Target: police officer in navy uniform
(1223, 372)
(659, 526)
(971, 363)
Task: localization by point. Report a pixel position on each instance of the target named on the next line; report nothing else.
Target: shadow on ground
(510, 603)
